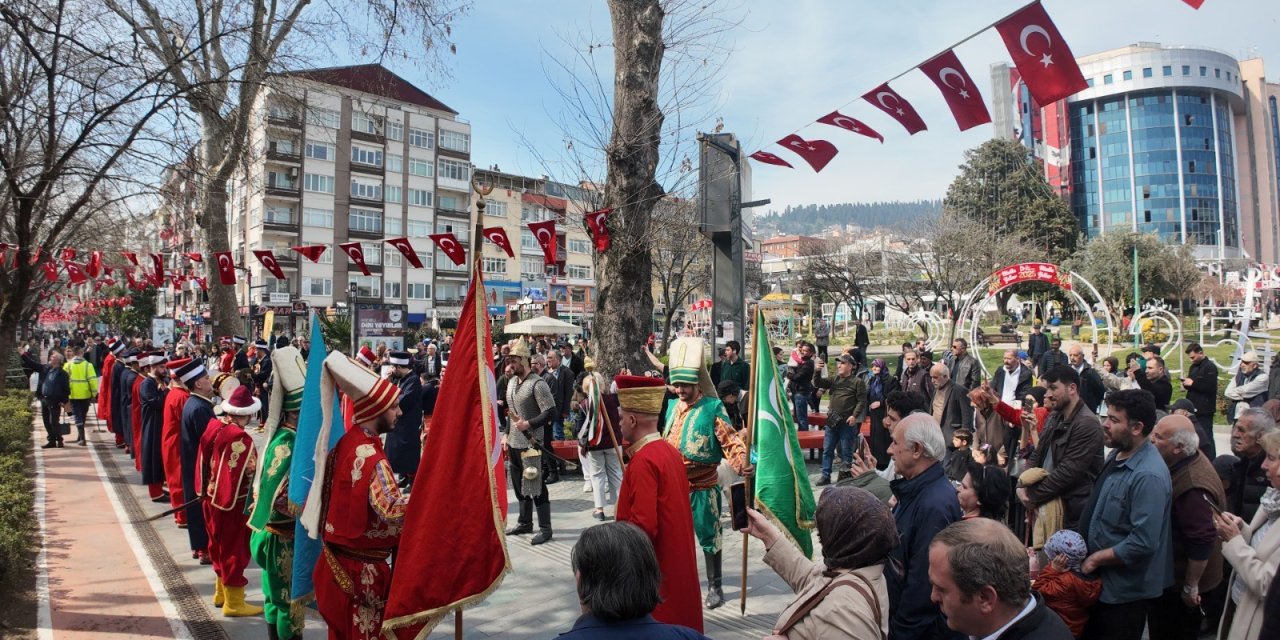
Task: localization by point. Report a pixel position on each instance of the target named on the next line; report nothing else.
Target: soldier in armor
(531, 409)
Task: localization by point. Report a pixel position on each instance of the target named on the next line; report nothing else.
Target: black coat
(1041, 624)
(1037, 345)
(957, 412)
(196, 414)
(860, 337)
(561, 383)
(55, 386)
(1050, 359)
(1203, 392)
(404, 447)
(1021, 389)
(1162, 389)
(1092, 390)
(152, 398)
(431, 365)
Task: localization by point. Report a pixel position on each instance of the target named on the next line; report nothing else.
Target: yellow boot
(219, 594)
(236, 606)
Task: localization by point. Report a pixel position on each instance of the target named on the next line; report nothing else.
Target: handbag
(845, 580)
(64, 428)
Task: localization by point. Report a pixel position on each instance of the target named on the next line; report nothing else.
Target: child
(729, 392)
(1067, 591)
(957, 463)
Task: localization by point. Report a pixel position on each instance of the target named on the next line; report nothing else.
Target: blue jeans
(800, 410)
(836, 434)
(557, 428)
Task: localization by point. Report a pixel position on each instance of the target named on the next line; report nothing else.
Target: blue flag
(302, 470)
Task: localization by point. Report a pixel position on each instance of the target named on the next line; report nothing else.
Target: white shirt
(1026, 611)
(1008, 393)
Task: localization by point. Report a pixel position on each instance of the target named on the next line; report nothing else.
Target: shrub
(16, 495)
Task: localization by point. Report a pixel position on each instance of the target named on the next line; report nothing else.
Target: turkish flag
(815, 152)
(449, 244)
(958, 89)
(95, 264)
(50, 270)
(269, 262)
(68, 254)
(194, 257)
(888, 101)
(130, 256)
(599, 232)
(35, 257)
(133, 284)
(75, 272)
(1043, 58)
(157, 274)
(498, 236)
(311, 252)
(837, 119)
(226, 268)
(356, 252)
(769, 158)
(176, 279)
(1195, 4)
(406, 249)
(545, 233)
(434, 574)
(203, 282)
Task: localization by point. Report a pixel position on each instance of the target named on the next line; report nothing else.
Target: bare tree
(81, 122)
(220, 57)
(681, 257)
(841, 273)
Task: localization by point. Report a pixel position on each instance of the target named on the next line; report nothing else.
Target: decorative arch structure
(1076, 285)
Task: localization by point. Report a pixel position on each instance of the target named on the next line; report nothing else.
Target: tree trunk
(11, 311)
(224, 312)
(624, 296)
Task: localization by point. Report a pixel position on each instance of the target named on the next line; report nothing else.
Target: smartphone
(739, 500)
(1212, 505)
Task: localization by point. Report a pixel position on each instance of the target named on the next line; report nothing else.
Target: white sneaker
(586, 487)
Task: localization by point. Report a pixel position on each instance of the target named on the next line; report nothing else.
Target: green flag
(782, 488)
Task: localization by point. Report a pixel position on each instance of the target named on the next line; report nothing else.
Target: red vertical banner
(545, 233)
(226, 267)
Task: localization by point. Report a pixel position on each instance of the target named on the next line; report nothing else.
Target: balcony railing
(284, 119)
(280, 187)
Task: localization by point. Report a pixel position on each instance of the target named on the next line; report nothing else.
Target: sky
(791, 62)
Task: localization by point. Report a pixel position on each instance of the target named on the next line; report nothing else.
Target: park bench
(1014, 338)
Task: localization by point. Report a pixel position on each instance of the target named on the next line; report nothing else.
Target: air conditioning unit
(293, 172)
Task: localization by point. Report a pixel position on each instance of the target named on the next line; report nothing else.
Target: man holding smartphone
(848, 404)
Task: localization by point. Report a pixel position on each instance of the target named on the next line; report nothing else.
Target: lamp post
(352, 288)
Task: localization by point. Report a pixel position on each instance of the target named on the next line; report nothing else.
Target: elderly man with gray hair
(1197, 551)
(926, 505)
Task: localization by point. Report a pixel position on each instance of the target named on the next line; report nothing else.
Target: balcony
(449, 211)
(376, 138)
(446, 267)
(283, 118)
(280, 219)
(453, 153)
(281, 187)
(368, 169)
(287, 153)
(366, 230)
(453, 184)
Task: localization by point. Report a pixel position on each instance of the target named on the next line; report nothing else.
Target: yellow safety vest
(84, 380)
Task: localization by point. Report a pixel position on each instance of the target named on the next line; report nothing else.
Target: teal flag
(782, 489)
(302, 469)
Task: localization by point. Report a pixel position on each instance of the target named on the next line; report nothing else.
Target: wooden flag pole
(457, 624)
(752, 400)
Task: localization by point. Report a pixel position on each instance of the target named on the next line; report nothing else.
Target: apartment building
(516, 201)
(347, 154)
(178, 235)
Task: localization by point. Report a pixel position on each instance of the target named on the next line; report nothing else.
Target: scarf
(855, 528)
(1271, 502)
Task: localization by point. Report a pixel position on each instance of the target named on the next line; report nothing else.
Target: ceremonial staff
(752, 395)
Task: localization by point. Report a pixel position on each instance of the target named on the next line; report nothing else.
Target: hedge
(17, 525)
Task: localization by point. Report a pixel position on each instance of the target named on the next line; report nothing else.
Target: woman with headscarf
(845, 596)
(880, 383)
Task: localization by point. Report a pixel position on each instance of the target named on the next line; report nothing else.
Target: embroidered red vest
(349, 519)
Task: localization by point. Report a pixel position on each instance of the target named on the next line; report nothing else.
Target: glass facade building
(1153, 150)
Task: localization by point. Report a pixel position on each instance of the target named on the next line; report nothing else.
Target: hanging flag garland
(268, 260)
(355, 252)
(406, 249)
(815, 152)
(498, 236)
(311, 252)
(837, 119)
(545, 233)
(958, 89)
(449, 244)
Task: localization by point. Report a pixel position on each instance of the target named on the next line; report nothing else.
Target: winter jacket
(82, 377)
(843, 613)
(1074, 444)
(1041, 624)
(55, 386)
(926, 505)
(1254, 559)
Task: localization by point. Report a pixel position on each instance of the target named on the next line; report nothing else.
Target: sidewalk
(104, 571)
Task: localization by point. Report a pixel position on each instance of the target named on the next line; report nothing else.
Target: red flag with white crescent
(406, 249)
(95, 264)
(958, 89)
(837, 119)
(599, 232)
(68, 254)
(311, 252)
(498, 236)
(130, 256)
(194, 257)
(1195, 4)
(75, 272)
(128, 275)
(203, 282)
(356, 252)
(434, 575)
(157, 271)
(268, 259)
(888, 101)
(226, 267)
(1042, 56)
(176, 279)
(50, 270)
(769, 158)
(815, 152)
(545, 233)
(449, 244)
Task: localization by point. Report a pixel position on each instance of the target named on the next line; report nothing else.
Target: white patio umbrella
(543, 325)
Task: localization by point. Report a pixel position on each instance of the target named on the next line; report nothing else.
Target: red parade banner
(1029, 272)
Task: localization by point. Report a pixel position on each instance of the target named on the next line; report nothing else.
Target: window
(1186, 69)
(392, 258)
(418, 291)
(395, 162)
(527, 241)
(391, 226)
(281, 145)
(275, 214)
(1128, 74)
(317, 183)
(1146, 72)
(320, 150)
(281, 180)
(324, 117)
(317, 217)
(395, 130)
(365, 123)
(420, 167)
(1191, 166)
(1166, 70)
(533, 213)
(366, 190)
(393, 194)
(1088, 82)
(366, 286)
(274, 285)
(419, 228)
(372, 252)
(460, 229)
(495, 208)
(452, 203)
(421, 138)
(1204, 71)
(455, 170)
(317, 286)
(494, 265)
(1217, 73)
(326, 257)
(365, 220)
(579, 271)
(455, 141)
(392, 290)
(277, 110)
(420, 197)
(531, 268)
(370, 157)
(578, 245)
(1106, 79)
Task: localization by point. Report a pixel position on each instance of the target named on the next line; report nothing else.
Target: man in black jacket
(560, 378)
(801, 386)
(1248, 478)
(1054, 357)
(1070, 448)
(985, 557)
(1012, 382)
(1201, 384)
(55, 394)
(1091, 387)
(1037, 344)
(950, 405)
(1155, 379)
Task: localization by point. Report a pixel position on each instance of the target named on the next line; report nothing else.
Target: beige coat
(1256, 565)
(844, 613)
